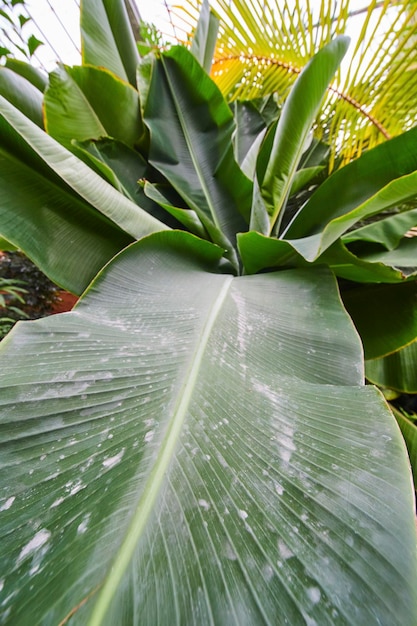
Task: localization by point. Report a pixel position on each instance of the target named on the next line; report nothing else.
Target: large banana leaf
(90, 103)
(69, 209)
(22, 94)
(187, 447)
(57, 228)
(107, 39)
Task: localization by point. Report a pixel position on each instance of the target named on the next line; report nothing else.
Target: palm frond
(264, 45)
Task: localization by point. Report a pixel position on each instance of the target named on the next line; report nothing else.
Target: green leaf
(188, 447)
(191, 127)
(186, 217)
(387, 232)
(123, 168)
(294, 127)
(356, 184)
(361, 270)
(33, 44)
(63, 234)
(394, 193)
(107, 39)
(304, 177)
(86, 103)
(404, 256)
(396, 371)
(259, 252)
(205, 36)
(23, 19)
(409, 432)
(117, 163)
(22, 94)
(32, 74)
(80, 178)
(385, 316)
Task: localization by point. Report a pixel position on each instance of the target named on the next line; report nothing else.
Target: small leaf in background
(33, 44)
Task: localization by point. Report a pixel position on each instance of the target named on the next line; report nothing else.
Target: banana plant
(194, 443)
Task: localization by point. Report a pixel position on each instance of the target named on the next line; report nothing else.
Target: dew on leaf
(37, 541)
(6, 505)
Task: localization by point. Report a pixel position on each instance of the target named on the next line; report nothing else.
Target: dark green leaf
(22, 94)
(355, 184)
(191, 127)
(35, 76)
(397, 371)
(385, 316)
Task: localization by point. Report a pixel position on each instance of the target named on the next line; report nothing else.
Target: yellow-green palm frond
(263, 45)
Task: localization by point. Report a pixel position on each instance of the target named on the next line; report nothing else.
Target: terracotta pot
(65, 301)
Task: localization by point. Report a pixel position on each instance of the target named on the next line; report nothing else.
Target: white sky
(58, 23)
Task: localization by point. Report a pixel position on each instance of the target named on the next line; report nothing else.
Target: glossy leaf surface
(200, 454)
(22, 94)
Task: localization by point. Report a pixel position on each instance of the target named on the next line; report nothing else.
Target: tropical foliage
(263, 46)
(194, 442)
(14, 35)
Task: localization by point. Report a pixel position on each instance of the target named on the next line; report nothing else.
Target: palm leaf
(263, 46)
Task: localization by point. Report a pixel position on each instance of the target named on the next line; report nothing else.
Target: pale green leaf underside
(206, 453)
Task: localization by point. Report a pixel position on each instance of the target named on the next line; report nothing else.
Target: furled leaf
(205, 36)
(189, 447)
(294, 126)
